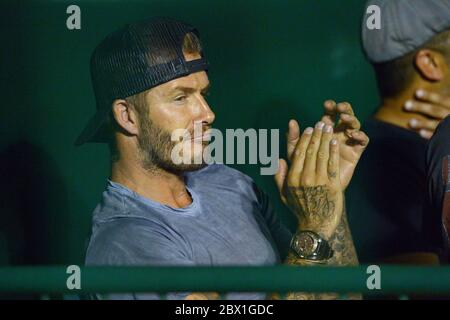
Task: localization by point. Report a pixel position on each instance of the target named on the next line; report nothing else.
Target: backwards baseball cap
(405, 26)
(133, 59)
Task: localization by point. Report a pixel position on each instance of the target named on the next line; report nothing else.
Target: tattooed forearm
(344, 255)
(343, 247)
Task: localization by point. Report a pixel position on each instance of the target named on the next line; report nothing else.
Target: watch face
(306, 244)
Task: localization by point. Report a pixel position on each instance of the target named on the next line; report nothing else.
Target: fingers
(347, 119)
(329, 113)
(309, 169)
(430, 104)
(293, 136)
(333, 163)
(298, 158)
(323, 155)
(360, 138)
(345, 107)
(427, 134)
(433, 97)
(312, 161)
(417, 124)
(350, 121)
(431, 110)
(280, 177)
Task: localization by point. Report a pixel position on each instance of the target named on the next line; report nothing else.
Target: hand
(203, 296)
(311, 188)
(430, 104)
(352, 142)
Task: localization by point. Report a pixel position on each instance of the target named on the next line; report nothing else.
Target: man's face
(177, 104)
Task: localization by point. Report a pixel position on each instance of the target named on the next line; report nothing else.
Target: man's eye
(180, 98)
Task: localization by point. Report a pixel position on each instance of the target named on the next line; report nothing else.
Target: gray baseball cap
(405, 26)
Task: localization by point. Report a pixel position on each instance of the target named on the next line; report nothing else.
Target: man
(150, 79)
(438, 164)
(410, 55)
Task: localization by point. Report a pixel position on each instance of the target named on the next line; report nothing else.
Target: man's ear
(430, 64)
(125, 116)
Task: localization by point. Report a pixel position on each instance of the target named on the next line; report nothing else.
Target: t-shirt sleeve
(280, 233)
(438, 151)
(136, 243)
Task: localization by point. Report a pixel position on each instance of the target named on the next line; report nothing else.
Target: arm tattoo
(344, 255)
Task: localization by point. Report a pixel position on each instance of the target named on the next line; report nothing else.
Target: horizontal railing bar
(280, 278)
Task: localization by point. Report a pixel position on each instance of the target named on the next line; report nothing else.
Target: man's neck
(156, 184)
(392, 111)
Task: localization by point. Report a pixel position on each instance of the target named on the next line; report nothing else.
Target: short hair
(191, 44)
(394, 76)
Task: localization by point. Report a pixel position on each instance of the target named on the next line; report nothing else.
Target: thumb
(280, 176)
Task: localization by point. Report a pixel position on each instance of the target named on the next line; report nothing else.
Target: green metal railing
(394, 279)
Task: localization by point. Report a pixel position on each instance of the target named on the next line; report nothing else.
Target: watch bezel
(300, 248)
(321, 250)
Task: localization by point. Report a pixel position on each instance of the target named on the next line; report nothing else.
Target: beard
(155, 147)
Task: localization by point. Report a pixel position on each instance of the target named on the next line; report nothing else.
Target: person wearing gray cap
(150, 79)
(410, 54)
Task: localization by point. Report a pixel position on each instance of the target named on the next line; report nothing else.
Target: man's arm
(344, 254)
(315, 192)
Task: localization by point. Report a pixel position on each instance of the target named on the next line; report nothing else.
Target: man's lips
(205, 137)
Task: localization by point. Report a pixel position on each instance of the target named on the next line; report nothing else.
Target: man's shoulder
(122, 230)
(120, 240)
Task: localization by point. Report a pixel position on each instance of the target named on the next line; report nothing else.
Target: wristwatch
(309, 245)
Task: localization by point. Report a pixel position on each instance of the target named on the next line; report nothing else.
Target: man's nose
(206, 114)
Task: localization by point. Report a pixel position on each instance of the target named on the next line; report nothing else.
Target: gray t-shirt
(229, 222)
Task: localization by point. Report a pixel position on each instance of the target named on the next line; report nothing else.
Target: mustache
(200, 133)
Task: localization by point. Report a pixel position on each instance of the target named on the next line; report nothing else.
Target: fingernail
(309, 130)
(328, 128)
(423, 133)
(334, 142)
(420, 93)
(409, 105)
(320, 125)
(413, 122)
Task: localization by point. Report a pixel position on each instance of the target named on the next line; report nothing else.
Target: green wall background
(282, 59)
